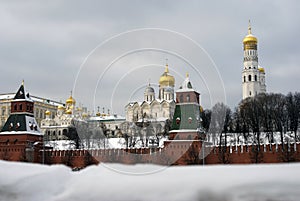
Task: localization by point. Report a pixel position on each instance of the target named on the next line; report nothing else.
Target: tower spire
(249, 27)
(167, 67)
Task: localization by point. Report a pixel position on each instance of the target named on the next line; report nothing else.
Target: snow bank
(109, 182)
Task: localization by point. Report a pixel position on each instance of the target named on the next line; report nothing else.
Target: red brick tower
(20, 137)
(186, 136)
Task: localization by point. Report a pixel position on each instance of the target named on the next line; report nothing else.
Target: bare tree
(293, 111)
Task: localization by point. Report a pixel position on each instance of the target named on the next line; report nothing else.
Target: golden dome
(47, 112)
(250, 38)
(261, 69)
(201, 109)
(61, 107)
(98, 114)
(69, 112)
(166, 79)
(70, 100)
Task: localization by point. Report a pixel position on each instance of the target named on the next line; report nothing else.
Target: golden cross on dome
(249, 27)
(167, 66)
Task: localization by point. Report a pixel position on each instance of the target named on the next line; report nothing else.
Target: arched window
(244, 78)
(181, 98)
(255, 77)
(249, 78)
(188, 98)
(21, 107)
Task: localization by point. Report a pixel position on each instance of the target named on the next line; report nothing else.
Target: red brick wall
(14, 147)
(182, 152)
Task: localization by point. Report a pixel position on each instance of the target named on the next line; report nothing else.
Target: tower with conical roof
(20, 136)
(253, 76)
(186, 123)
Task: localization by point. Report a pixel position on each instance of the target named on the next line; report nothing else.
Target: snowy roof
(107, 118)
(184, 131)
(10, 96)
(186, 85)
(20, 132)
(17, 124)
(159, 101)
(22, 94)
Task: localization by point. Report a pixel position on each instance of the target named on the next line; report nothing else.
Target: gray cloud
(46, 42)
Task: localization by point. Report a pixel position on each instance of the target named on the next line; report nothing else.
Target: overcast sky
(59, 46)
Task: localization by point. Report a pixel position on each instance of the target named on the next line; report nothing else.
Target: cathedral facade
(61, 126)
(152, 108)
(253, 76)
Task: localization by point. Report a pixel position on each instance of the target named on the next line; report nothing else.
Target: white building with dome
(152, 108)
(59, 127)
(253, 76)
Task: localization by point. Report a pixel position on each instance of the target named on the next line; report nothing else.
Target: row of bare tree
(255, 119)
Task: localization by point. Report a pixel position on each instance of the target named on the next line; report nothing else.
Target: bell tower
(253, 76)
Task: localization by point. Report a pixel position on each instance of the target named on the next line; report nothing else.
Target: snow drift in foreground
(24, 181)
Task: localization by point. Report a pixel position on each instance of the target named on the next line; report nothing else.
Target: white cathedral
(152, 108)
(253, 76)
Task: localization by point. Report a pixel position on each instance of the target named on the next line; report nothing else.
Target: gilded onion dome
(261, 69)
(47, 112)
(69, 112)
(71, 100)
(250, 38)
(166, 79)
(60, 107)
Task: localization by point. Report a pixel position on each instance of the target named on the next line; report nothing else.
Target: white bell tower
(253, 76)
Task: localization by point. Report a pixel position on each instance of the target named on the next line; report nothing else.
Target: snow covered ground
(109, 182)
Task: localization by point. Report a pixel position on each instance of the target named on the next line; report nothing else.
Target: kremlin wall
(22, 140)
(175, 155)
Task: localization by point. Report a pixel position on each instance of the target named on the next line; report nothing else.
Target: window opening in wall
(255, 77)
(188, 98)
(181, 98)
(249, 78)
